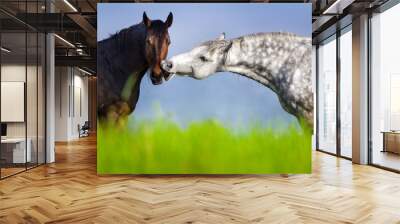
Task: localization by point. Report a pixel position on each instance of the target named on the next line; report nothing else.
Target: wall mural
(204, 88)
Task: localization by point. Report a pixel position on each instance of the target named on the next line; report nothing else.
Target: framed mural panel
(204, 88)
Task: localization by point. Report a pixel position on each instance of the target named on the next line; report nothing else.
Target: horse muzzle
(166, 65)
(164, 75)
(156, 80)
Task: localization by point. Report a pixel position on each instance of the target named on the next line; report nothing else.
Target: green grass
(206, 147)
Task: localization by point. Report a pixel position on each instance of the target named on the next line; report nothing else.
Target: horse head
(200, 62)
(156, 46)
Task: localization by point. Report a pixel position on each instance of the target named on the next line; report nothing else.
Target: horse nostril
(169, 64)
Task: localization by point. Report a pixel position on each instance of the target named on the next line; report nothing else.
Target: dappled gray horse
(122, 61)
(279, 61)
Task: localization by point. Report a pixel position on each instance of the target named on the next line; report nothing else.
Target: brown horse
(122, 61)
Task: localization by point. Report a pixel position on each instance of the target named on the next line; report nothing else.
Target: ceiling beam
(337, 6)
(320, 22)
(81, 61)
(86, 26)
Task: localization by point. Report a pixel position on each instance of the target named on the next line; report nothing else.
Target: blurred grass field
(161, 146)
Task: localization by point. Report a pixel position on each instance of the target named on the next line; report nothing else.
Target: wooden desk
(16, 147)
(391, 141)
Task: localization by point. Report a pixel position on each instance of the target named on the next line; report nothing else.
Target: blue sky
(225, 96)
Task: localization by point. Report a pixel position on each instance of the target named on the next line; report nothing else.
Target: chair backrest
(86, 125)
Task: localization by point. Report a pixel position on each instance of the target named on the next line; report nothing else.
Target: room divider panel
(22, 77)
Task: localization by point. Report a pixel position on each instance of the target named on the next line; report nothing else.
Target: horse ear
(169, 19)
(222, 36)
(146, 20)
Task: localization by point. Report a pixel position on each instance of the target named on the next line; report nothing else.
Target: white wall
(13, 101)
(71, 94)
(16, 73)
(12, 73)
(80, 103)
(33, 126)
(62, 81)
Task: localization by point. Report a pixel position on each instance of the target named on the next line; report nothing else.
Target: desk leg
(384, 142)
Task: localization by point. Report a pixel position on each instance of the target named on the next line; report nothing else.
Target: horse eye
(202, 58)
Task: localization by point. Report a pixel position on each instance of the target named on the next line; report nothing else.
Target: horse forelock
(158, 26)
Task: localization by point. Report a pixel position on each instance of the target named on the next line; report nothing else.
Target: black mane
(118, 57)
